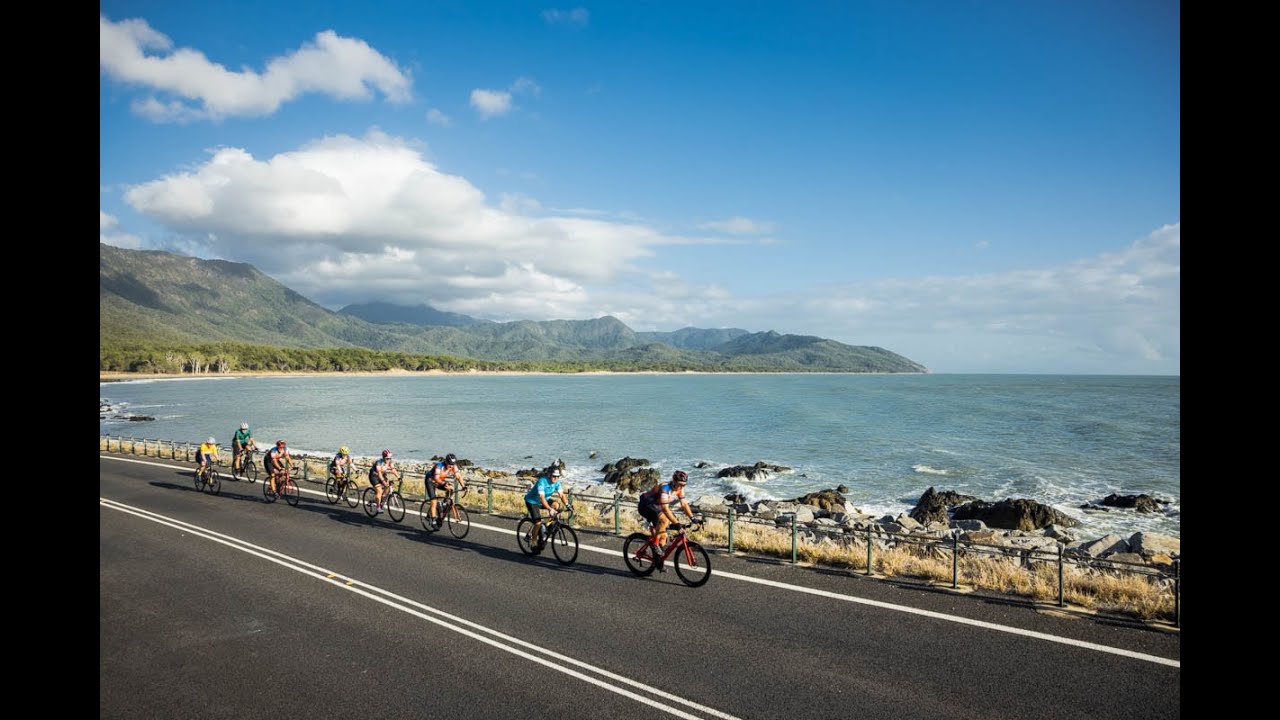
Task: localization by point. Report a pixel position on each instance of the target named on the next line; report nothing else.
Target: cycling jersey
(660, 495)
(207, 449)
(241, 438)
(440, 472)
(543, 486)
(382, 464)
(273, 456)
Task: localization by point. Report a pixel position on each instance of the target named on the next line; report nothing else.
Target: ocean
(1063, 440)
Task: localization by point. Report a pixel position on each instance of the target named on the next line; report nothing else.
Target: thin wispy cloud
(494, 103)
(436, 117)
(739, 226)
(196, 88)
(578, 16)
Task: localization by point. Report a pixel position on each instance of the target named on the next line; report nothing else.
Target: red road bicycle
(693, 564)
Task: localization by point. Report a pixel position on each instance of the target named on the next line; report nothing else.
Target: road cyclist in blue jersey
(540, 499)
(655, 506)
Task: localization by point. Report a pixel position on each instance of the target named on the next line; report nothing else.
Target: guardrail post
(955, 558)
(1177, 594)
(1061, 586)
(573, 503)
(306, 469)
(186, 451)
(793, 538)
(617, 514)
(488, 490)
(731, 514)
(868, 549)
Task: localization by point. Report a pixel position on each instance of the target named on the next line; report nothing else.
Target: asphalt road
(226, 606)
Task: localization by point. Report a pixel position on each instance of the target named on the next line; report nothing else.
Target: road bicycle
(284, 486)
(391, 499)
(448, 507)
(248, 468)
(206, 478)
(693, 564)
(553, 531)
(342, 488)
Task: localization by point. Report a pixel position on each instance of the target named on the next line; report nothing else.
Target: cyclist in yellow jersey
(207, 453)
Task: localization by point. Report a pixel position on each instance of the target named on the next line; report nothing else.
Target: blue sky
(980, 186)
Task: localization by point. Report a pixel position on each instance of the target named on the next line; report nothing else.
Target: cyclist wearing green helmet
(341, 465)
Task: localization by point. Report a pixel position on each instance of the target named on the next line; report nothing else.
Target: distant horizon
(974, 185)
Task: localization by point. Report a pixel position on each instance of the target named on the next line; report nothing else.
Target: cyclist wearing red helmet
(655, 505)
(276, 463)
(378, 476)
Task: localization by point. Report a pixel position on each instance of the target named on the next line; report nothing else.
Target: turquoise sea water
(1062, 440)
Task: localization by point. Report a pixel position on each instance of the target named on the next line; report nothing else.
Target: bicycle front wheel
(249, 470)
(350, 494)
(459, 521)
(636, 553)
(215, 482)
(523, 530)
(693, 564)
(331, 490)
(291, 492)
(564, 544)
(395, 506)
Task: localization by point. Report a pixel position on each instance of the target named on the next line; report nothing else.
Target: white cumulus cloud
(132, 52)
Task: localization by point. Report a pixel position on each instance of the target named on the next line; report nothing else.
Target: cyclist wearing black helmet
(540, 496)
(655, 505)
(380, 477)
(437, 481)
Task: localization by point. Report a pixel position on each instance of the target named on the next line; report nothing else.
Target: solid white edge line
(358, 588)
(832, 595)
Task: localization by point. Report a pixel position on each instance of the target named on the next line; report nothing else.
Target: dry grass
(1145, 596)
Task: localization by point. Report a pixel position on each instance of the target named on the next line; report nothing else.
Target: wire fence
(1058, 576)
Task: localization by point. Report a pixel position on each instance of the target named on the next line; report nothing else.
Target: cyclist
(341, 465)
(207, 453)
(437, 482)
(539, 497)
(378, 473)
(276, 463)
(655, 506)
(241, 441)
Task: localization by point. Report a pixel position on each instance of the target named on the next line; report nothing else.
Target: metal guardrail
(870, 535)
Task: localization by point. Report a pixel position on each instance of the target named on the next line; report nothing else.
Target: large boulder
(933, 505)
(829, 500)
(1014, 514)
(759, 471)
(623, 465)
(635, 481)
(1148, 544)
(1141, 503)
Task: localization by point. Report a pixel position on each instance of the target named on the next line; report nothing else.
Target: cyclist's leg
(535, 514)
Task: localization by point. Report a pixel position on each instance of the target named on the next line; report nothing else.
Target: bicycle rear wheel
(693, 565)
(523, 528)
(395, 506)
(291, 494)
(215, 482)
(564, 544)
(459, 521)
(370, 500)
(267, 493)
(636, 553)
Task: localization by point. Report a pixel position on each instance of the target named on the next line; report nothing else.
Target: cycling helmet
(386, 453)
(450, 459)
(344, 450)
(279, 443)
(555, 471)
(680, 476)
(211, 440)
(244, 426)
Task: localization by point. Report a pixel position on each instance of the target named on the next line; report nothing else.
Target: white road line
(827, 594)
(403, 604)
